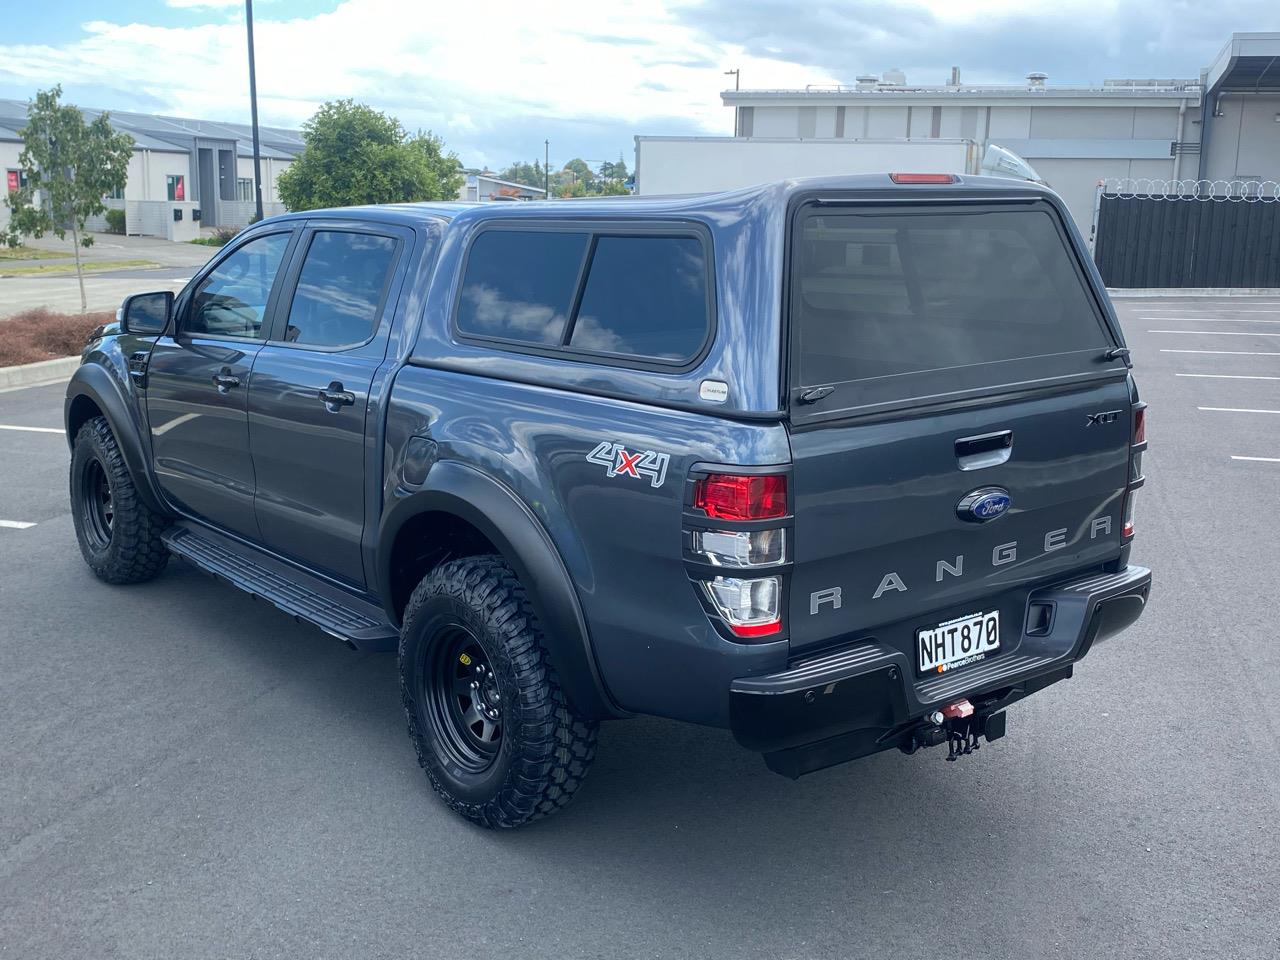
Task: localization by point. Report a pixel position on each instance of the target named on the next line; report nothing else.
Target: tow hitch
(961, 727)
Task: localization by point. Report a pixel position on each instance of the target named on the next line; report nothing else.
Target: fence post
(1093, 227)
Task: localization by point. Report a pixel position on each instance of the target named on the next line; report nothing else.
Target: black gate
(1189, 234)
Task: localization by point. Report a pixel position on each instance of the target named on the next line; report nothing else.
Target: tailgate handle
(985, 450)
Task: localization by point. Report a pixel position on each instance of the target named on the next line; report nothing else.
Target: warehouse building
(1222, 124)
(180, 168)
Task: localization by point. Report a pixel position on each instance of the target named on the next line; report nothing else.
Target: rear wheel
(119, 534)
(492, 728)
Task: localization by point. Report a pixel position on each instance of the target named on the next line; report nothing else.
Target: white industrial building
(179, 167)
(1223, 124)
(488, 186)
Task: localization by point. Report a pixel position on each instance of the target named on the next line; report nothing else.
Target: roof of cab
(779, 192)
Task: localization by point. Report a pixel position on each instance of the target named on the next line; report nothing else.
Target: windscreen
(905, 299)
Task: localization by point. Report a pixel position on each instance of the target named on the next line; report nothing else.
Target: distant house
(485, 186)
(202, 164)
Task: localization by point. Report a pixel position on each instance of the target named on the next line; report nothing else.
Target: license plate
(958, 642)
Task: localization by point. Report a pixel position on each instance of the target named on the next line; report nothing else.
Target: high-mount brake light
(922, 177)
(732, 497)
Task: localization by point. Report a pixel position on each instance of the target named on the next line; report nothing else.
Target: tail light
(729, 497)
(1137, 445)
(749, 606)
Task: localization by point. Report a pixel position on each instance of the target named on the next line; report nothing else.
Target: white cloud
(462, 71)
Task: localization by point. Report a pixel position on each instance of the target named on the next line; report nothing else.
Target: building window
(116, 194)
(175, 185)
(244, 189)
(15, 180)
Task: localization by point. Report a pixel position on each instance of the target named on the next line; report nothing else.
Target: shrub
(115, 221)
(43, 335)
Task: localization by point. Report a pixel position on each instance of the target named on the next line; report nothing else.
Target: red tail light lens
(1140, 425)
(728, 497)
(922, 178)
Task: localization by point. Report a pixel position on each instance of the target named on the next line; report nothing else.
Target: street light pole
(546, 169)
(253, 110)
(737, 82)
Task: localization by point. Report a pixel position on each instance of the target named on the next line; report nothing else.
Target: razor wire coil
(1215, 191)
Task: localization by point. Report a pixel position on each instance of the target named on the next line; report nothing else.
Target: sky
(497, 78)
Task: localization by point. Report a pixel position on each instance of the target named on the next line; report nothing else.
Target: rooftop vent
(895, 77)
(867, 81)
(1036, 80)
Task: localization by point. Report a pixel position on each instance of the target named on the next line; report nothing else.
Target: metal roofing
(152, 131)
(1248, 62)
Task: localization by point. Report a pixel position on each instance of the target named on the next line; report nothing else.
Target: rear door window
(340, 289)
(907, 304)
(642, 298)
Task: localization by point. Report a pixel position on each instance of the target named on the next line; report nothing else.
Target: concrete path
(178, 262)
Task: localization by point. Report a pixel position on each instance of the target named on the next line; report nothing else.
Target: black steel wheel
(119, 535)
(465, 704)
(493, 731)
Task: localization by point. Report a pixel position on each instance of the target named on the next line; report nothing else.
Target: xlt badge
(1106, 416)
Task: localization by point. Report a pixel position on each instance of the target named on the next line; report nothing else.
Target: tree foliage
(356, 155)
(70, 166)
(530, 174)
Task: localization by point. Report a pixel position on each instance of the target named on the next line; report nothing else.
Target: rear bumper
(866, 697)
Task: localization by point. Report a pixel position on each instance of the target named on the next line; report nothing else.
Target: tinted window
(233, 298)
(645, 297)
(340, 288)
(519, 285)
(879, 295)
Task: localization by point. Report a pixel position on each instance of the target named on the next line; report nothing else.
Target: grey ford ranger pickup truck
(840, 465)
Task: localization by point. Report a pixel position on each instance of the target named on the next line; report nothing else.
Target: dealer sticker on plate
(958, 642)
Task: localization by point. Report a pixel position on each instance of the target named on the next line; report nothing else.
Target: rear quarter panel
(620, 536)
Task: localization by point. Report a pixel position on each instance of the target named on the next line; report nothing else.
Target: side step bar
(338, 612)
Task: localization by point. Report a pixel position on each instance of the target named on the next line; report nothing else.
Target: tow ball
(962, 727)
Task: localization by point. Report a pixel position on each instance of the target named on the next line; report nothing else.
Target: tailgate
(940, 353)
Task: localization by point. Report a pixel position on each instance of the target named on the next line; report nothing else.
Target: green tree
(530, 174)
(355, 155)
(70, 166)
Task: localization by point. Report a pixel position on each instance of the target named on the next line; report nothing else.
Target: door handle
(225, 380)
(986, 450)
(335, 398)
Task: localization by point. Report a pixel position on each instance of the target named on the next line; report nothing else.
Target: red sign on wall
(178, 192)
(13, 181)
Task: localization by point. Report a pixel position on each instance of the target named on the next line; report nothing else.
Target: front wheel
(499, 742)
(119, 534)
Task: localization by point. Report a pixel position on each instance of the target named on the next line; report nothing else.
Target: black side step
(338, 612)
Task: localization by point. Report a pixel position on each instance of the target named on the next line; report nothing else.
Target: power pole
(253, 110)
(737, 83)
(546, 169)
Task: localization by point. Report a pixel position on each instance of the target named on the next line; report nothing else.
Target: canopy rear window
(898, 304)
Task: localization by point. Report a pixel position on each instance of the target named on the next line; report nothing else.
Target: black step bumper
(866, 697)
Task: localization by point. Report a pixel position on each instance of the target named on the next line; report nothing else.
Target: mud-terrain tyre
(493, 731)
(119, 534)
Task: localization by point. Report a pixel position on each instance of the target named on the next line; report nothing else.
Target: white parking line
(1212, 319)
(1220, 333)
(1167, 316)
(1233, 353)
(1235, 410)
(1223, 376)
(5, 426)
(1259, 459)
(16, 524)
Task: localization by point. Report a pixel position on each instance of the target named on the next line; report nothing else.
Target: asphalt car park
(186, 772)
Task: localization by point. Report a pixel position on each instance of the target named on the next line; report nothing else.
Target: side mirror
(146, 314)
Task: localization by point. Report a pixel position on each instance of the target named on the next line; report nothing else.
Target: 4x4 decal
(618, 462)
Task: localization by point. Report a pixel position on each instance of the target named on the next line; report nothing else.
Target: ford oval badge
(983, 504)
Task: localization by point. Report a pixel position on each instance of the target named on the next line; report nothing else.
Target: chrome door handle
(225, 381)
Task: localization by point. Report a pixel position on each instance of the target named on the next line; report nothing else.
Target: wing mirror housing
(146, 314)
